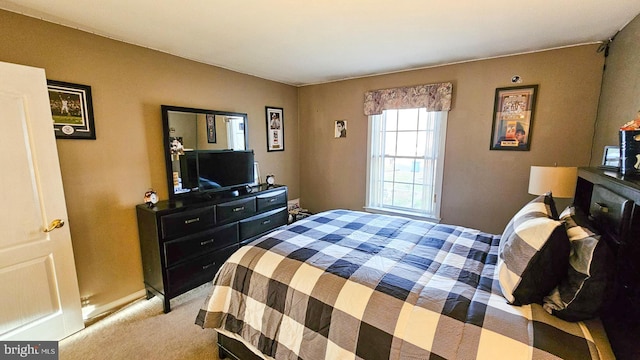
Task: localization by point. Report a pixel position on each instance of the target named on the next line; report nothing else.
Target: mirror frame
(165, 139)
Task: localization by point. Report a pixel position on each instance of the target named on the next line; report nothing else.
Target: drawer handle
(203, 243)
(238, 209)
(266, 222)
(205, 267)
(603, 208)
(192, 220)
(272, 200)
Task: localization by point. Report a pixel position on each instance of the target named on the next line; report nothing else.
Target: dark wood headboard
(613, 202)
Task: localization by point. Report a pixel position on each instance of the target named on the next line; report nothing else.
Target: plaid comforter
(352, 285)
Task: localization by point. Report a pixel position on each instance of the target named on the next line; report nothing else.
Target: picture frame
(176, 145)
(211, 128)
(72, 110)
(340, 129)
(611, 158)
(513, 113)
(275, 128)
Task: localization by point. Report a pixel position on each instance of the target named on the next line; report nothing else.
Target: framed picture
(341, 129)
(513, 110)
(611, 158)
(211, 128)
(275, 128)
(176, 145)
(72, 110)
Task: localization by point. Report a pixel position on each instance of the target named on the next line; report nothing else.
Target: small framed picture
(341, 129)
(275, 128)
(611, 158)
(513, 110)
(72, 110)
(211, 128)
(176, 145)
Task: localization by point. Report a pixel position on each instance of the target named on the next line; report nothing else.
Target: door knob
(57, 223)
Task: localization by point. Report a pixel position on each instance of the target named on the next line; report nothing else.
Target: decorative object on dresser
(184, 242)
(271, 180)
(256, 174)
(150, 198)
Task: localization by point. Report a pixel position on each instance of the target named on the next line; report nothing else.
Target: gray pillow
(533, 255)
(581, 294)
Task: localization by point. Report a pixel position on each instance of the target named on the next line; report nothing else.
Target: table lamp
(560, 180)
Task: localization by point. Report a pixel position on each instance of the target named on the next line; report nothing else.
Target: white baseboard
(92, 311)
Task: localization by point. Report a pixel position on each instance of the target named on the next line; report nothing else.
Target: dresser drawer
(196, 272)
(188, 222)
(271, 200)
(235, 210)
(263, 223)
(192, 246)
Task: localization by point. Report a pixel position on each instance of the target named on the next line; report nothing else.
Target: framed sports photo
(275, 128)
(72, 110)
(513, 110)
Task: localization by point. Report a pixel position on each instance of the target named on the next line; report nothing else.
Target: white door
(40, 298)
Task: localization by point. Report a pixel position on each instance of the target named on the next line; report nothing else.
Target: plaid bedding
(353, 285)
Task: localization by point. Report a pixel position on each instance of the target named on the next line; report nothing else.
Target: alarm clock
(271, 180)
(150, 198)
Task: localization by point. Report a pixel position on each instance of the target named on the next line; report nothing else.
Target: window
(405, 163)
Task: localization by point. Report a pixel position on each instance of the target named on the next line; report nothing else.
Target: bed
(352, 285)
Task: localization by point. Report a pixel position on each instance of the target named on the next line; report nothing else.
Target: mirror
(189, 130)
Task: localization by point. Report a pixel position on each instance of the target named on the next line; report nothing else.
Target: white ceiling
(302, 42)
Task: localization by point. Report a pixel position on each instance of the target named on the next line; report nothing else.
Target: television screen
(218, 170)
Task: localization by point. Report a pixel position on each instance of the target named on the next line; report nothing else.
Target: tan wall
(482, 188)
(620, 98)
(104, 179)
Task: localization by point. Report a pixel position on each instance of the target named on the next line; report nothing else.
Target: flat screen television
(205, 171)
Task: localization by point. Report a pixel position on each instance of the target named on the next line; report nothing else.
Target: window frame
(439, 157)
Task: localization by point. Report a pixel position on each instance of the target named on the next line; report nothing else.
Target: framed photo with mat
(513, 110)
(72, 110)
(275, 128)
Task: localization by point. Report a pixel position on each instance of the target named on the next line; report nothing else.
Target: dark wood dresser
(184, 242)
(621, 317)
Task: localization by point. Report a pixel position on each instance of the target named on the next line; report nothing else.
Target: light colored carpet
(142, 331)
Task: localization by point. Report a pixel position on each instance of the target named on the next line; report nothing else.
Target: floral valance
(435, 97)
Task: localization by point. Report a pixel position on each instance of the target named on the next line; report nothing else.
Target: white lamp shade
(561, 181)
